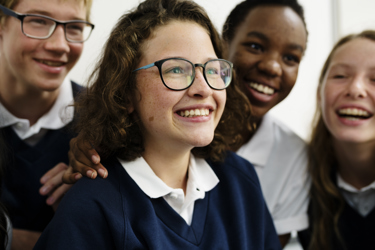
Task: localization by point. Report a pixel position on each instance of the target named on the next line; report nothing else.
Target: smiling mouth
(262, 88)
(50, 63)
(194, 112)
(354, 114)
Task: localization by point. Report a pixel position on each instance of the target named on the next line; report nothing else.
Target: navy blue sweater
(24, 167)
(357, 232)
(114, 213)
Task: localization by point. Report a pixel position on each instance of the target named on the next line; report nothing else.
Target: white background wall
(296, 111)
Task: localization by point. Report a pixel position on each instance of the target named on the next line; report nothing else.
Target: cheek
(75, 51)
(220, 98)
(290, 78)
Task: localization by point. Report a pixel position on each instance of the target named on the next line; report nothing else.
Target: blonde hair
(326, 201)
(10, 4)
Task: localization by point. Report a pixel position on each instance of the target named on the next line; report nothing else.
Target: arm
(24, 239)
(83, 220)
(83, 160)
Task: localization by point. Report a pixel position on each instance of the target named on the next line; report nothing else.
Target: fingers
(84, 159)
(84, 152)
(90, 170)
(69, 177)
(55, 198)
(53, 179)
(61, 167)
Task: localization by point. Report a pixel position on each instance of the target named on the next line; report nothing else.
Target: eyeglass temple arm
(145, 67)
(8, 12)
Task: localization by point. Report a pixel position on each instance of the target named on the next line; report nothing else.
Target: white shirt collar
(341, 183)
(200, 175)
(259, 148)
(57, 117)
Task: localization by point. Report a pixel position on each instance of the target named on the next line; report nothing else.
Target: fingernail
(95, 159)
(50, 200)
(90, 174)
(78, 176)
(102, 172)
(44, 190)
(43, 180)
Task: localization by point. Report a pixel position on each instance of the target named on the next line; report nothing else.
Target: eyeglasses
(42, 27)
(179, 73)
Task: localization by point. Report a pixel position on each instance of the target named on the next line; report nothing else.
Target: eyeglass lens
(179, 74)
(39, 27)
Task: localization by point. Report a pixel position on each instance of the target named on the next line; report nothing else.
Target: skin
(169, 137)
(29, 87)
(350, 84)
(268, 53)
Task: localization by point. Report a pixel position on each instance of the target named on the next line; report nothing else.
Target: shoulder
(236, 167)
(89, 216)
(284, 134)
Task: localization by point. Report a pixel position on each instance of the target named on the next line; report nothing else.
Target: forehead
(60, 9)
(275, 22)
(179, 39)
(359, 53)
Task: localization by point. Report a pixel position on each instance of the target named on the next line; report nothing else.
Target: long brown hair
(105, 119)
(326, 201)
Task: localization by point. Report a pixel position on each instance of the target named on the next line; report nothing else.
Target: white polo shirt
(280, 160)
(56, 118)
(201, 179)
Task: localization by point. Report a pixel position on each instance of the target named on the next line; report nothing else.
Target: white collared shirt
(201, 179)
(280, 160)
(363, 200)
(57, 117)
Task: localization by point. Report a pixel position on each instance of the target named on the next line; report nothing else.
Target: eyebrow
(263, 37)
(48, 14)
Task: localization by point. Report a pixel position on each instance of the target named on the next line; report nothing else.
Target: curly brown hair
(105, 119)
(327, 202)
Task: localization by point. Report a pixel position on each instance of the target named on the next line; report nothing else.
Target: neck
(356, 162)
(26, 103)
(170, 166)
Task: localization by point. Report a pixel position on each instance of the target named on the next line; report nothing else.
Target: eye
(75, 27)
(253, 47)
(36, 21)
(212, 71)
(338, 76)
(175, 70)
(292, 59)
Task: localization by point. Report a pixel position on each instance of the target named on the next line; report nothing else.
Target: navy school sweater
(114, 213)
(24, 167)
(357, 232)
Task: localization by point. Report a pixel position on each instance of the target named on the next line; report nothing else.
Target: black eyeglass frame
(20, 17)
(160, 63)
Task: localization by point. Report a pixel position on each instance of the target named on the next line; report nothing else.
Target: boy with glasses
(40, 42)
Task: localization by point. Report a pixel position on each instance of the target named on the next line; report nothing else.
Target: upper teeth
(194, 112)
(262, 88)
(354, 111)
(49, 63)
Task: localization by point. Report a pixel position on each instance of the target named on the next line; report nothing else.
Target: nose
(357, 87)
(199, 88)
(57, 42)
(270, 65)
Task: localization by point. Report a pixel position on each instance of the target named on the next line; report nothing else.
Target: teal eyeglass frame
(160, 63)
